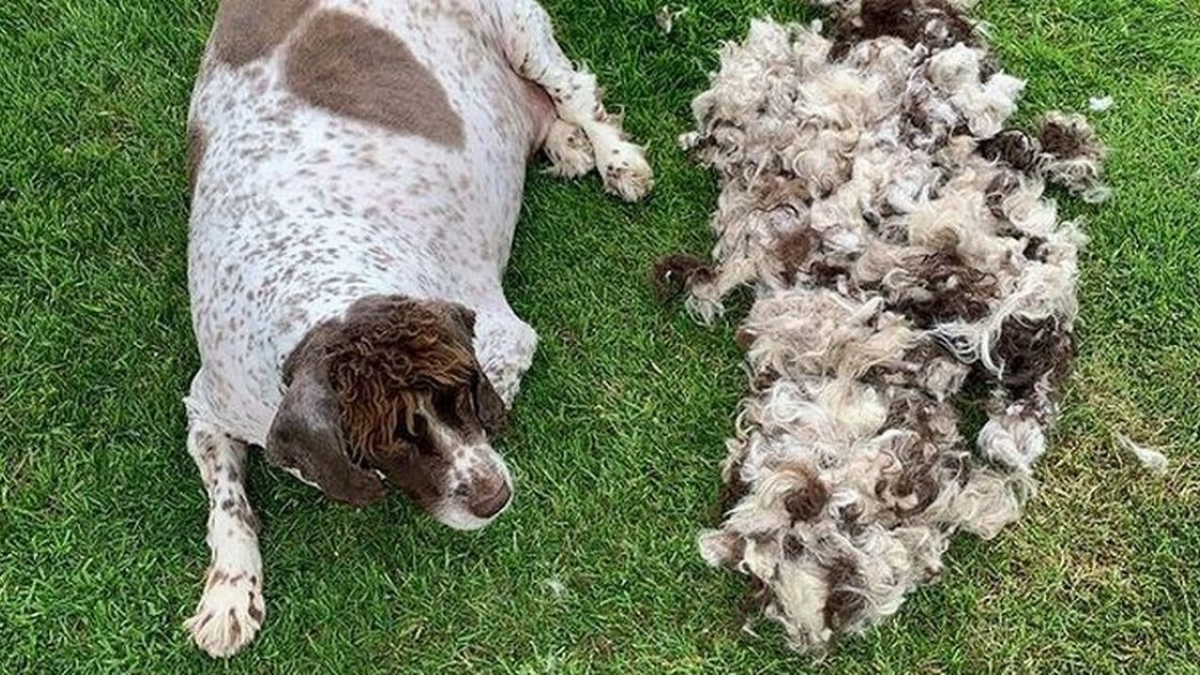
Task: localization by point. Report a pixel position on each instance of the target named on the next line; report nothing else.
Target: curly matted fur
(900, 245)
(389, 353)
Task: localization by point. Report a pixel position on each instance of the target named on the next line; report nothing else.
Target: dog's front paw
(569, 150)
(626, 172)
(229, 614)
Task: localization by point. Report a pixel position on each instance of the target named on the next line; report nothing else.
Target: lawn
(620, 427)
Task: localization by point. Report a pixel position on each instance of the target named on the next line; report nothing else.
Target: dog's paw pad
(228, 616)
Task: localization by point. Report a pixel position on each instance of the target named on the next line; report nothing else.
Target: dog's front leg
(231, 610)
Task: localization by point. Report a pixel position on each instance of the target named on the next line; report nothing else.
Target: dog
(356, 172)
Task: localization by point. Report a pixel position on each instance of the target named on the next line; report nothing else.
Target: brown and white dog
(357, 169)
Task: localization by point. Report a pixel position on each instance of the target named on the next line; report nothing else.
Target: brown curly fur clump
(933, 23)
(903, 257)
(389, 353)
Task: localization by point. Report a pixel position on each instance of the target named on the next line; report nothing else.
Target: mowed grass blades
(619, 430)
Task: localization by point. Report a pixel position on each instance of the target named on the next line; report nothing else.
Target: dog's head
(393, 392)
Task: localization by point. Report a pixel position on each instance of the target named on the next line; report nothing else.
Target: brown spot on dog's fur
(674, 274)
(933, 23)
(197, 146)
(805, 502)
(254, 611)
(248, 30)
(235, 627)
(245, 516)
(343, 64)
(846, 598)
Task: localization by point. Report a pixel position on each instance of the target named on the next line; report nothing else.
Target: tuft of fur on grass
(1153, 460)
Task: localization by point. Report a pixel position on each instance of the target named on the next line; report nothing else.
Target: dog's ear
(463, 319)
(306, 434)
(489, 407)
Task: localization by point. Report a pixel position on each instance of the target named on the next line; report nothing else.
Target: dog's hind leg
(584, 133)
(231, 610)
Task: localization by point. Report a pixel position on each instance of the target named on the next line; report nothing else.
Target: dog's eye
(446, 404)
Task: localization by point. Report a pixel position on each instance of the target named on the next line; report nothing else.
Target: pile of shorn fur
(900, 246)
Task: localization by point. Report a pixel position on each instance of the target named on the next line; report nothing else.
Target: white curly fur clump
(900, 244)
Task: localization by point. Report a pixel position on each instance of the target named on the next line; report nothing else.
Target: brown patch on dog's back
(197, 145)
(248, 30)
(349, 67)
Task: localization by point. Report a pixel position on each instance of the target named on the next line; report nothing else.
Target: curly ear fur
(389, 350)
(306, 435)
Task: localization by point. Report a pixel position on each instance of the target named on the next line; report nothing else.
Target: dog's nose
(486, 507)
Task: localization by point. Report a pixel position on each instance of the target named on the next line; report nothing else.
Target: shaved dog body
(356, 170)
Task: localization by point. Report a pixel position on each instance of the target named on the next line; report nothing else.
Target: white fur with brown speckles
(298, 212)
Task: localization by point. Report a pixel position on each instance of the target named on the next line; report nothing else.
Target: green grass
(620, 427)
